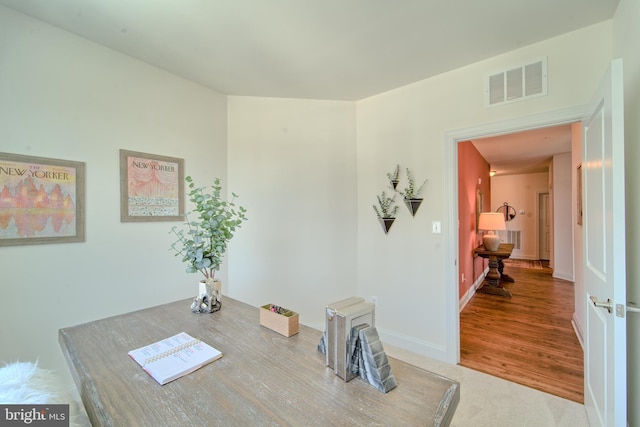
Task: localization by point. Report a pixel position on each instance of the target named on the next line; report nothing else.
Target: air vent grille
(516, 84)
(511, 236)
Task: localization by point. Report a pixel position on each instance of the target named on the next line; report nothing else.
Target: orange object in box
(283, 321)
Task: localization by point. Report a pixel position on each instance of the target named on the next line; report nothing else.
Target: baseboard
(560, 275)
(421, 347)
(578, 330)
(472, 290)
(517, 255)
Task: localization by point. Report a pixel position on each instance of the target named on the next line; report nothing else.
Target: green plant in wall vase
(394, 177)
(386, 211)
(202, 242)
(411, 194)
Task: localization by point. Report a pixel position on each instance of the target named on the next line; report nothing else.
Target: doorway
(452, 139)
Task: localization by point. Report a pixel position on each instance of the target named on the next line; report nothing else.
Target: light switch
(436, 227)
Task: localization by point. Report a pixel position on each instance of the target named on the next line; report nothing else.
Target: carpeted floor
(524, 263)
(487, 401)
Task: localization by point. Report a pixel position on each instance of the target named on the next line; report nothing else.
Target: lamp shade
(491, 221)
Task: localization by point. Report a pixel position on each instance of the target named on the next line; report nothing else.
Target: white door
(605, 359)
(544, 227)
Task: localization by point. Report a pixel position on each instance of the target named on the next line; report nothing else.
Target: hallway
(528, 339)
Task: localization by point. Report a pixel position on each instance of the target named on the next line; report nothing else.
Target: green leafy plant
(203, 242)
(395, 175)
(410, 191)
(386, 208)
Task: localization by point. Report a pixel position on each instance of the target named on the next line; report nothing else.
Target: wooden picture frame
(42, 200)
(479, 208)
(151, 187)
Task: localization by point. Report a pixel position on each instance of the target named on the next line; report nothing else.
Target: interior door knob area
(608, 305)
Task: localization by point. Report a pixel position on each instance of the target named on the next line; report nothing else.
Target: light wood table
(495, 276)
(262, 379)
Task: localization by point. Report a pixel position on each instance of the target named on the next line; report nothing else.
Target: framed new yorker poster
(41, 200)
(151, 187)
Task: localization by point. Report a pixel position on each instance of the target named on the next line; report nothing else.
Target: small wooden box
(285, 324)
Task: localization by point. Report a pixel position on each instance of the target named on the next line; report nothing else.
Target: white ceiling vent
(518, 83)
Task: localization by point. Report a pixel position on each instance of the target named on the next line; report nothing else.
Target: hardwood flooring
(527, 339)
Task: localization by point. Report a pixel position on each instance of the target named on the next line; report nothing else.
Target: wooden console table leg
(504, 277)
(492, 284)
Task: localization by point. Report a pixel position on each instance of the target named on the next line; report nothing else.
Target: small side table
(495, 276)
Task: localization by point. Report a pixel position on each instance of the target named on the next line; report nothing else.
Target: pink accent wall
(473, 175)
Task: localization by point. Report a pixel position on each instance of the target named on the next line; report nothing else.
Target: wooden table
(493, 283)
(262, 379)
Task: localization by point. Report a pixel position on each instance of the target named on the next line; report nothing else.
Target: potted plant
(386, 210)
(203, 241)
(394, 177)
(410, 193)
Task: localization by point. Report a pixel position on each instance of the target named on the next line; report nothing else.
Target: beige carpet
(523, 263)
(487, 401)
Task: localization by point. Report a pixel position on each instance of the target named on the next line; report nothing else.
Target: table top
(504, 251)
(263, 378)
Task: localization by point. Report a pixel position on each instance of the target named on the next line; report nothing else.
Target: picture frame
(151, 187)
(479, 208)
(42, 200)
(579, 193)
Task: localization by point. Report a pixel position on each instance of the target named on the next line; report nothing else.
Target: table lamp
(491, 221)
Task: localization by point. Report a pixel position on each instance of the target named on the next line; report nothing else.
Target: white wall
(562, 217)
(294, 164)
(413, 271)
(521, 191)
(63, 97)
(626, 34)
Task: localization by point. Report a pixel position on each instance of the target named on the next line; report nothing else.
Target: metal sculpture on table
(351, 344)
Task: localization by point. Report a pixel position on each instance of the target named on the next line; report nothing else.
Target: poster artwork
(153, 187)
(37, 200)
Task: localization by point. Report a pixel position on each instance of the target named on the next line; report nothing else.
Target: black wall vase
(413, 205)
(386, 223)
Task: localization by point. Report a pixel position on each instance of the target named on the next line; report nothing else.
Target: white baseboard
(578, 330)
(563, 276)
(413, 344)
(421, 347)
(516, 254)
(472, 290)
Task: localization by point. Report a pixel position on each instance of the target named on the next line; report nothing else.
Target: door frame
(551, 213)
(451, 140)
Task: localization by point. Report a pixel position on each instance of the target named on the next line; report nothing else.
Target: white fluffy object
(26, 383)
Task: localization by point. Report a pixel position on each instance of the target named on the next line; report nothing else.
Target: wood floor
(528, 339)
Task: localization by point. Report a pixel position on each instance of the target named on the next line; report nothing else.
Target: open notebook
(174, 357)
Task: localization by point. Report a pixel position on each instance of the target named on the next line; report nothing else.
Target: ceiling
(330, 49)
(524, 152)
(314, 49)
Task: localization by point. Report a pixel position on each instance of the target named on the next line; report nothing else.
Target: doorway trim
(451, 140)
(538, 231)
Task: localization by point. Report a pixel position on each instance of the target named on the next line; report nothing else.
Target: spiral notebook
(174, 357)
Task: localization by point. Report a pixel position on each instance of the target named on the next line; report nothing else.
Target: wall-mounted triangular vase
(413, 205)
(394, 183)
(386, 223)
